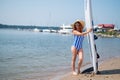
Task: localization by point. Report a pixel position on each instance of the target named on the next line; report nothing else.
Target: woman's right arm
(75, 32)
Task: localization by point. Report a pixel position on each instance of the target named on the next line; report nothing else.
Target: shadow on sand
(108, 72)
(104, 72)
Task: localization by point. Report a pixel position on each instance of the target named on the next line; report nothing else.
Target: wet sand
(109, 70)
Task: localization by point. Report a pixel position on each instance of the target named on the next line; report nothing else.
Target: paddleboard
(89, 24)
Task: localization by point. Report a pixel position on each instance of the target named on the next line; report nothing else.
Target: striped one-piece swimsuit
(78, 40)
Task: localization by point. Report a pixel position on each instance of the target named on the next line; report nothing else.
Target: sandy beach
(109, 70)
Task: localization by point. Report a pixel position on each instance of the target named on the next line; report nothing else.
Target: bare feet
(79, 72)
(74, 73)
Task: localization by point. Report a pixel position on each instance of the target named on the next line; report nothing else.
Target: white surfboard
(89, 23)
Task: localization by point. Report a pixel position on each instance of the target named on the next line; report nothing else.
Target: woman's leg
(74, 55)
(80, 54)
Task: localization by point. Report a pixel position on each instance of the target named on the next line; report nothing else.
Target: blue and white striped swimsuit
(78, 40)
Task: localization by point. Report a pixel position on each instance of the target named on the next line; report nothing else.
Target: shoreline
(109, 69)
(107, 35)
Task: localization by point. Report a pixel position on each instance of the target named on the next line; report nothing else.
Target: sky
(57, 12)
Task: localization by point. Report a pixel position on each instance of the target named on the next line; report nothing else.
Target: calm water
(26, 55)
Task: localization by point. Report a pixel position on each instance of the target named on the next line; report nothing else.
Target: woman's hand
(89, 30)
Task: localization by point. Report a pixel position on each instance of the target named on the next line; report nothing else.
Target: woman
(77, 44)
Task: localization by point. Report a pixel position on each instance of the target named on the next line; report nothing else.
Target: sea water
(27, 55)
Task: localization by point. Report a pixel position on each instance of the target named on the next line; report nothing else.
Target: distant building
(105, 27)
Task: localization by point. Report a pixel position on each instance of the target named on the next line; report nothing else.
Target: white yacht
(46, 30)
(53, 31)
(36, 30)
(65, 29)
